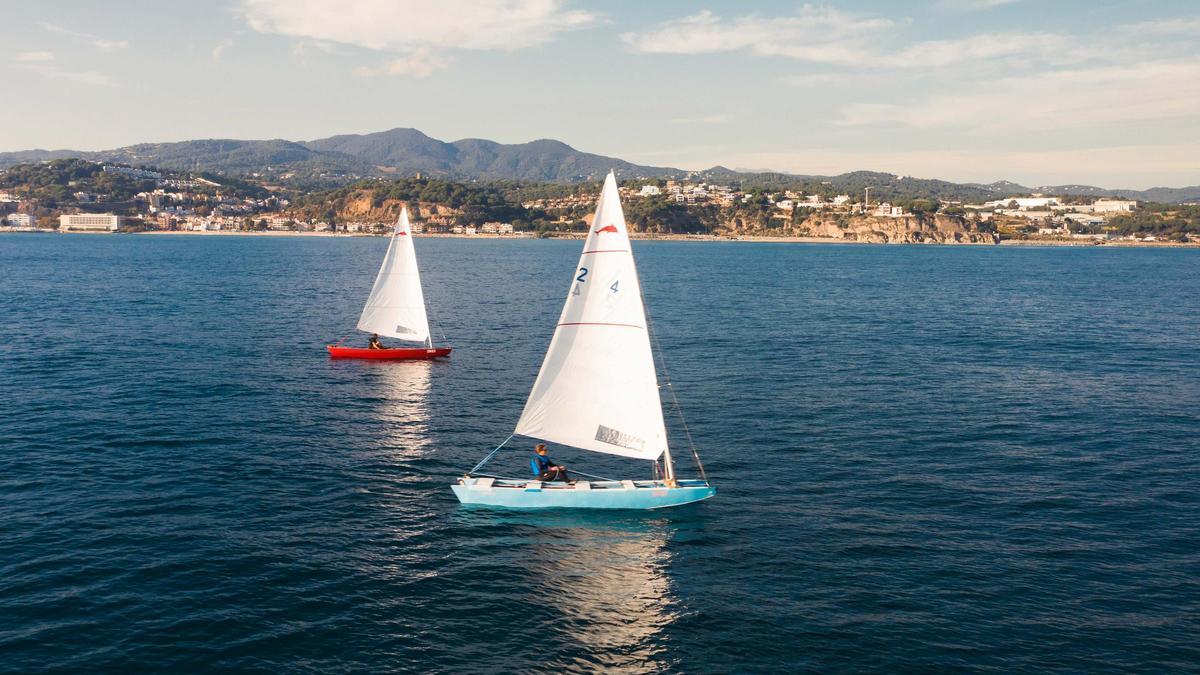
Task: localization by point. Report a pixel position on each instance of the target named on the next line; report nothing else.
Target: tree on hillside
(663, 215)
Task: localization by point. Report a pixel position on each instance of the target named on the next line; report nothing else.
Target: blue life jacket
(539, 464)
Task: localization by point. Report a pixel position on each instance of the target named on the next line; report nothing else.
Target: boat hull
(582, 495)
(400, 354)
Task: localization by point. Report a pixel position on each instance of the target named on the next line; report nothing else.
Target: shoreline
(700, 238)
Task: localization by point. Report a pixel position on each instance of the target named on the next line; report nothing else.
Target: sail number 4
(582, 278)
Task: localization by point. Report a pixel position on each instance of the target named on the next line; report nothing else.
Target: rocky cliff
(365, 206)
(910, 229)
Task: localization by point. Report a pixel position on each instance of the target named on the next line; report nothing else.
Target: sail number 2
(582, 278)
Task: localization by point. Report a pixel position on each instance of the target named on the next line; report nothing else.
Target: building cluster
(567, 202)
(700, 193)
(176, 203)
(1054, 217)
(693, 194)
(20, 220)
(790, 201)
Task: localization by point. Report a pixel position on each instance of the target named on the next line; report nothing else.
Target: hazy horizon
(1104, 93)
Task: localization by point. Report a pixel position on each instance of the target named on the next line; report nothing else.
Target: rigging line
(436, 322)
(491, 455)
(431, 316)
(580, 473)
(662, 358)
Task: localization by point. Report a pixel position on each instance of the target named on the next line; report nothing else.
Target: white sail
(597, 388)
(396, 307)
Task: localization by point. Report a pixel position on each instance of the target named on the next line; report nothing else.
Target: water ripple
(929, 459)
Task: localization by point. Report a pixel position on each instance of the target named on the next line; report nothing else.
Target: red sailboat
(396, 307)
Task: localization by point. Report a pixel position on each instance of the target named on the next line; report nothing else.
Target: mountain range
(405, 152)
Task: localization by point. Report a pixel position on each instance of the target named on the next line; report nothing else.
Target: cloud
(219, 50)
(972, 5)
(30, 57)
(814, 79)
(44, 65)
(827, 36)
(1166, 27)
(51, 70)
(402, 24)
(985, 47)
(817, 34)
(417, 29)
(421, 62)
(303, 48)
(1114, 166)
(1074, 99)
(716, 118)
(96, 41)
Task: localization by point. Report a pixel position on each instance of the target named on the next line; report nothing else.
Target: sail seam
(611, 250)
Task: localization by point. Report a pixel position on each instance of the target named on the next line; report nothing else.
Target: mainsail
(396, 307)
(597, 388)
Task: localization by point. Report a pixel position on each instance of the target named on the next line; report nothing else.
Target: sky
(1101, 92)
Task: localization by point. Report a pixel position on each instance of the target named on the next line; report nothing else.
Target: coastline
(701, 238)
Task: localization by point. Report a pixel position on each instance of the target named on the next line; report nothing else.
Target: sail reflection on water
(606, 581)
(403, 408)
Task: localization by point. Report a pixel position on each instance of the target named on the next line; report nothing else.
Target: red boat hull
(405, 353)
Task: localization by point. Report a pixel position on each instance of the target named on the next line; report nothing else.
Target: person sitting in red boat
(374, 343)
(544, 468)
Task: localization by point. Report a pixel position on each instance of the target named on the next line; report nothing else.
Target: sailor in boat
(544, 468)
(374, 343)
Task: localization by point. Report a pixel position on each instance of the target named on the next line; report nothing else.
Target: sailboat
(597, 389)
(396, 307)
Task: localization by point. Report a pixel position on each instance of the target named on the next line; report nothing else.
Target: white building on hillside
(21, 220)
(132, 173)
(89, 222)
(1025, 203)
(650, 191)
(1113, 206)
(496, 228)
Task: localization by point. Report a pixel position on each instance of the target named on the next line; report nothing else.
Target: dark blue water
(929, 458)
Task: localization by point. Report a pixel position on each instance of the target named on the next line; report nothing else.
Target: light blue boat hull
(582, 495)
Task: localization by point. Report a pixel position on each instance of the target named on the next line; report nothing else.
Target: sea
(928, 459)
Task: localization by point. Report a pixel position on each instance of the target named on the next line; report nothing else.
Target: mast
(669, 467)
